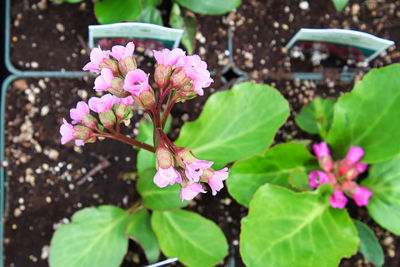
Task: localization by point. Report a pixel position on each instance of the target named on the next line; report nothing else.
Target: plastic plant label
(345, 44)
(148, 36)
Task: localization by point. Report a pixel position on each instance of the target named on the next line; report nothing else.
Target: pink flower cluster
(189, 171)
(341, 174)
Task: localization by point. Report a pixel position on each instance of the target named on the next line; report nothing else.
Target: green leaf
(369, 244)
(187, 22)
(150, 14)
(299, 180)
(210, 7)
(317, 117)
(156, 198)
(139, 228)
(340, 4)
(195, 240)
(95, 237)
(284, 228)
(384, 205)
(112, 11)
(369, 116)
(275, 167)
(235, 124)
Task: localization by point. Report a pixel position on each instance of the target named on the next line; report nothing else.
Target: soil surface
(44, 187)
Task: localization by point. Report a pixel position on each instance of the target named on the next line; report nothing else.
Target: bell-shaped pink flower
(317, 178)
(166, 177)
(103, 104)
(189, 191)
(126, 100)
(195, 169)
(355, 154)
(167, 57)
(120, 52)
(361, 196)
(77, 113)
(103, 82)
(67, 134)
(216, 181)
(97, 56)
(321, 150)
(136, 82)
(361, 167)
(196, 70)
(338, 200)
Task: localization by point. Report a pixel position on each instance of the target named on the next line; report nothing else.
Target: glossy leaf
(369, 244)
(156, 198)
(149, 13)
(384, 182)
(316, 118)
(95, 237)
(340, 4)
(369, 116)
(112, 11)
(210, 7)
(187, 22)
(193, 239)
(298, 180)
(235, 124)
(139, 229)
(284, 228)
(275, 167)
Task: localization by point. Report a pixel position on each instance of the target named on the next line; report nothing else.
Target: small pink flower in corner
(79, 112)
(338, 200)
(215, 180)
(361, 196)
(317, 178)
(67, 134)
(189, 191)
(97, 57)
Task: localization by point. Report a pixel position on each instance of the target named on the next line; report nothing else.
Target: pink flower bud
(67, 134)
(348, 187)
(162, 75)
(317, 178)
(97, 57)
(189, 191)
(120, 52)
(103, 104)
(321, 150)
(167, 57)
(215, 179)
(361, 167)
(338, 200)
(326, 163)
(107, 118)
(79, 112)
(361, 196)
(103, 82)
(355, 154)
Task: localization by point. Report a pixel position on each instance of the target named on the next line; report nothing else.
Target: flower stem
(127, 140)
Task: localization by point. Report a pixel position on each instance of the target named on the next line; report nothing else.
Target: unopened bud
(348, 187)
(117, 88)
(179, 78)
(107, 118)
(122, 111)
(111, 64)
(82, 132)
(164, 158)
(147, 98)
(207, 174)
(162, 75)
(89, 121)
(184, 155)
(126, 65)
(326, 163)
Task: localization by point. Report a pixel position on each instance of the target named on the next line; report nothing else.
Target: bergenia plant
(234, 125)
(298, 202)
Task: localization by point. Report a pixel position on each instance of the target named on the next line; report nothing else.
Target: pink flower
(167, 57)
(361, 167)
(97, 56)
(103, 82)
(196, 70)
(67, 134)
(189, 191)
(136, 82)
(195, 169)
(215, 182)
(361, 196)
(355, 154)
(166, 177)
(338, 200)
(103, 104)
(321, 150)
(126, 100)
(77, 113)
(120, 52)
(317, 178)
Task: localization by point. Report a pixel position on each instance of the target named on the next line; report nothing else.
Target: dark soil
(43, 176)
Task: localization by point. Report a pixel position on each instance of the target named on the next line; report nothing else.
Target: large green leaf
(210, 7)
(187, 22)
(369, 116)
(95, 237)
(156, 198)
(384, 182)
(112, 11)
(139, 228)
(150, 14)
(275, 167)
(317, 117)
(369, 244)
(284, 228)
(195, 240)
(235, 124)
(340, 4)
